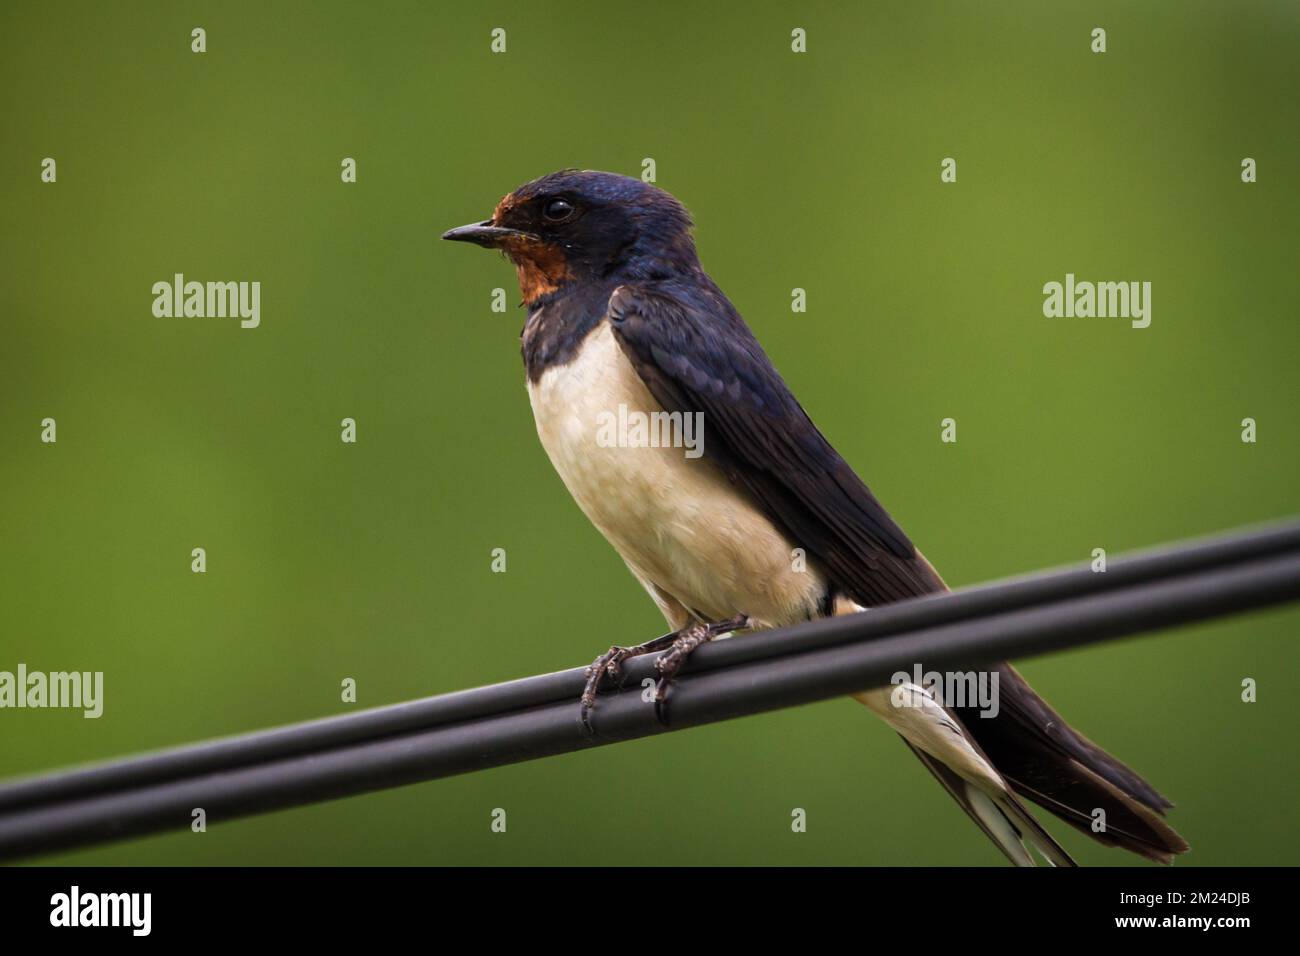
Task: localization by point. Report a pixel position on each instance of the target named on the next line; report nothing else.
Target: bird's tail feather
(1045, 760)
(1027, 749)
(948, 751)
(1000, 815)
(1048, 762)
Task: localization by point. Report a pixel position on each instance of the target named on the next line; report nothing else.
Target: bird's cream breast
(677, 520)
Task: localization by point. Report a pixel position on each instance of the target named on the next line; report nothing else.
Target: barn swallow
(621, 315)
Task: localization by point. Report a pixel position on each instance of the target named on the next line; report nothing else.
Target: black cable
(310, 736)
(429, 712)
(734, 683)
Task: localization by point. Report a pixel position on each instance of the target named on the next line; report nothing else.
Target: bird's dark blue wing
(695, 354)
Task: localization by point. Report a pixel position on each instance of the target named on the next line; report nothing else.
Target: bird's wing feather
(695, 354)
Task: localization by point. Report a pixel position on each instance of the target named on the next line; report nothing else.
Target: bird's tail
(938, 738)
(999, 814)
(1026, 748)
(1047, 761)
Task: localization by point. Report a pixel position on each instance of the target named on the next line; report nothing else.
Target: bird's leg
(685, 642)
(680, 644)
(610, 664)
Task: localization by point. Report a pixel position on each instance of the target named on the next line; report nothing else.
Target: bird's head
(578, 225)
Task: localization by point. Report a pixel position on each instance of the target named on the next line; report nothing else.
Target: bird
(622, 315)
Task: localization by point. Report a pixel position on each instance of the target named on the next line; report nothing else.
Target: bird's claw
(609, 664)
(670, 663)
(679, 646)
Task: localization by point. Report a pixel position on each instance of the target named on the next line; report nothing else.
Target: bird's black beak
(481, 234)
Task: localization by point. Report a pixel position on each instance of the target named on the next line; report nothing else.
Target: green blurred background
(819, 171)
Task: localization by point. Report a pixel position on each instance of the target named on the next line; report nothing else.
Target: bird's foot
(684, 644)
(679, 645)
(610, 664)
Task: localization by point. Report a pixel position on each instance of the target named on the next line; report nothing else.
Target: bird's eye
(558, 210)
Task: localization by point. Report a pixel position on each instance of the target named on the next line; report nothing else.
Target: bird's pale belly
(678, 522)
